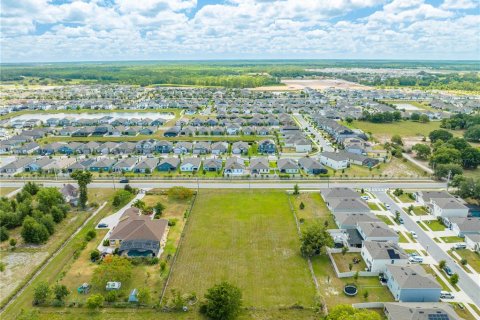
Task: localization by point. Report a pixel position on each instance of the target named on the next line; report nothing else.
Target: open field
(332, 287)
(247, 238)
(473, 258)
(421, 105)
(53, 270)
(402, 128)
(319, 84)
(315, 209)
(5, 191)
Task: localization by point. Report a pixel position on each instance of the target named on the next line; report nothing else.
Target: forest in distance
(453, 75)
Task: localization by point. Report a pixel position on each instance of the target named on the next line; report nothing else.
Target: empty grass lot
(473, 258)
(452, 239)
(4, 191)
(315, 209)
(402, 128)
(249, 239)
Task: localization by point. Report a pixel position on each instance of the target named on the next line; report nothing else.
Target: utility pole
(448, 178)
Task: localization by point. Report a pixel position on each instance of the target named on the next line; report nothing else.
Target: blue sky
(92, 30)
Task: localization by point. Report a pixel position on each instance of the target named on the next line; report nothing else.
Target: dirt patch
(18, 265)
(319, 84)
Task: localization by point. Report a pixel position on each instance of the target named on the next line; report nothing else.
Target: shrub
(106, 243)
(172, 222)
(95, 301)
(111, 296)
(121, 198)
(180, 193)
(222, 301)
(4, 235)
(91, 234)
(60, 291)
(302, 206)
(95, 255)
(41, 293)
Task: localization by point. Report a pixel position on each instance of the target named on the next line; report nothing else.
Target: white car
(446, 295)
(414, 234)
(415, 259)
(387, 206)
(365, 198)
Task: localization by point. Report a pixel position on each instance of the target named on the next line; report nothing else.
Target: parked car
(400, 220)
(365, 198)
(446, 295)
(124, 181)
(102, 225)
(460, 245)
(387, 205)
(415, 259)
(414, 234)
(448, 271)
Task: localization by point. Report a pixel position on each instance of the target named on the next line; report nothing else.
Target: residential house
(102, 165)
(234, 166)
(289, 166)
(312, 166)
(190, 165)
(147, 165)
(219, 148)
(39, 164)
(146, 146)
(419, 311)
(376, 231)
(125, 165)
(163, 146)
(183, 147)
(138, 235)
(259, 166)
(267, 146)
(377, 255)
(473, 242)
(16, 166)
(335, 160)
(172, 132)
(202, 147)
(463, 226)
(350, 220)
(80, 165)
(240, 147)
(71, 194)
(168, 164)
(212, 164)
(27, 148)
(412, 283)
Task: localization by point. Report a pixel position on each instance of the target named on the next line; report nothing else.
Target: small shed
(113, 285)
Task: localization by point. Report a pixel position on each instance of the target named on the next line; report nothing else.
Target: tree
(314, 239)
(442, 264)
(443, 170)
(41, 293)
(95, 301)
(422, 151)
(296, 189)
(424, 118)
(415, 116)
(349, 120)
(4, 234)
(222, 302)
(398, 192)
(60, 291)
(454, 279)
(302, 205)
(13, 243)
(143, 296)
(34, 232)
(467, 187)
(470, 158)
(83, 178)
(94, 255)
(347, 312)
(49, 198)
(31, 188)
(473, 133)
(440, 134)
(113, 268)
(445, 155)
(121, 198)
(140, 204)
(158, 208)
(397, 139)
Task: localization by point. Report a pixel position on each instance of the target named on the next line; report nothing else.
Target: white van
(446, 295)
(415, 259)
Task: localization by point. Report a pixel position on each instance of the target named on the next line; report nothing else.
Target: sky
(110, 30)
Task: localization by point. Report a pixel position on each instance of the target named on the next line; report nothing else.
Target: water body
(115, 115)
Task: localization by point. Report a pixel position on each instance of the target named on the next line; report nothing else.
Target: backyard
(314, 209)
(344, 261)
(247, 238)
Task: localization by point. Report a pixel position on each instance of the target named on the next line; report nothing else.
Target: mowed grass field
(402, 128)
(248, 238)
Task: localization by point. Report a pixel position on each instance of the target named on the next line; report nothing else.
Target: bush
(34, 232)
(179, 193)
(222, 301)
(302, 206)
(464, 262)
(172, 222)
(41, 293)
(111, 296)
(60, 291)
(95, 301)
(91, 234)
(4, 235)
(106, 243)
(95, 255)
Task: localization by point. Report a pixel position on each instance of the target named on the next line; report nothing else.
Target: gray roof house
(463, 226)
(288, 166)
(347, 205)
(70, 194)
(16, 166)
(259, 166)
(234, 166)
(376, 231)
(350, 220)
(126, 164)
(190, 164)
(419, 311)
(240, 147)
(212, 164)
(146, 166)
(311, 166)
(412, 283)
(377, 255)
(219, 147)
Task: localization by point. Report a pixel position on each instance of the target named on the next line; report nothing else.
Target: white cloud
(460, 4)
(156, 29)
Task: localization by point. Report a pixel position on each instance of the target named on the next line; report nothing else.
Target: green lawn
(248, 238)
(420, 211)
(405, 198)
(401, 238)
(435, 225)
(373, 206)
(315, 209)
(473, 258)
(452, 239)
(385, 219)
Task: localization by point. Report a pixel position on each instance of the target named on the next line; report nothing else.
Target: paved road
(242, 184)
(471, 288)
(319, 139)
